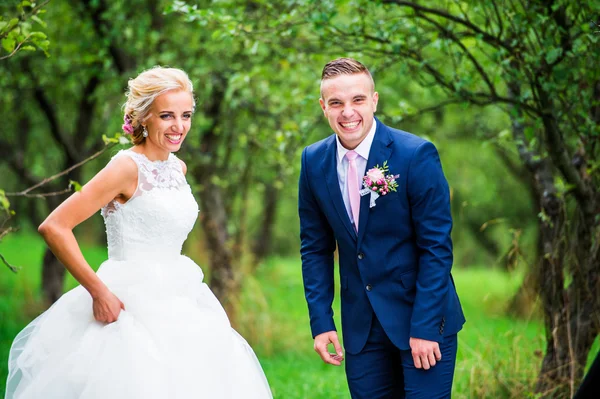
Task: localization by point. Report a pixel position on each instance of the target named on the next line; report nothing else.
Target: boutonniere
(378, 182)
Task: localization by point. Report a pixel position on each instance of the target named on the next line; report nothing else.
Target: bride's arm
(117, 179)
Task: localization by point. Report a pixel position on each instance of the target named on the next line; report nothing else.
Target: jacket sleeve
(317, 248)
(429, 198)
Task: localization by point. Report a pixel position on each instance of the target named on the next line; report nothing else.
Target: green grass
(498, 357)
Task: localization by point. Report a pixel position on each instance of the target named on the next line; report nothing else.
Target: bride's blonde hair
(143, 90)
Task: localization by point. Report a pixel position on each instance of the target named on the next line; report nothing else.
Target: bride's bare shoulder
(121, 166)
(183, 166)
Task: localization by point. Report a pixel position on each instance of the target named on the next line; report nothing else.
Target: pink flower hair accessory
(127, 126)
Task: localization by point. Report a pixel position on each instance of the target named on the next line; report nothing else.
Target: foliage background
(256, 68)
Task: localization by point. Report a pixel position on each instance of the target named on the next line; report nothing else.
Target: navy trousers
(382, 371)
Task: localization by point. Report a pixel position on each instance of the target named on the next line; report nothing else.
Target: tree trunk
(262, 245)
(557, 364)
(243, 188)
(571, 315)
(53, 271)
(570, 245)
(214, 224)
(214, 215)
(522, 303)
(53, 277)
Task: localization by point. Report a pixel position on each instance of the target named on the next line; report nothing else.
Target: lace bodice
(157, 218)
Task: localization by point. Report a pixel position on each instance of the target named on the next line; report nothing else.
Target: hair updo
(143, 90)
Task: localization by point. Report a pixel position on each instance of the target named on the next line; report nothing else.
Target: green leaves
(117, 138)
(9, 44)
(553, 54)
(38, 20)
(8, 26)
(18, 33)
(4, 202)
(74, 185)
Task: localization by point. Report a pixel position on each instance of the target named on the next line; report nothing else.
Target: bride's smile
(167, 124)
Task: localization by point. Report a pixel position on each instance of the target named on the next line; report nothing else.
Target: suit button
(361, 255)
(369, 287)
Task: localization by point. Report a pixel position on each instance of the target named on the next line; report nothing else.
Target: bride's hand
(107, 307)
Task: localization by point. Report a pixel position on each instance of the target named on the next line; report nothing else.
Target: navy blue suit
(395, 272)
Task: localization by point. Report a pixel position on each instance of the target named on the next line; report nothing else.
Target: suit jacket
(398, 264)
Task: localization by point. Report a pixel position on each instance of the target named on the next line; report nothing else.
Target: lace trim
(162, 174)
(110, 208)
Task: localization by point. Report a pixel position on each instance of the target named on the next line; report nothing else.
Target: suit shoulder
(407, 140)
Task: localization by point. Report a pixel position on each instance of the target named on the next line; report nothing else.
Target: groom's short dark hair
(343, 66)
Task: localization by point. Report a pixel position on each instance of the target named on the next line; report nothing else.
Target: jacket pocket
(409, 279)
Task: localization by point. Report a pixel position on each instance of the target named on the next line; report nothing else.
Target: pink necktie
(352, 183)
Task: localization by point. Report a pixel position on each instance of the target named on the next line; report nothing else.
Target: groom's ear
(322, 102)
(375, 101)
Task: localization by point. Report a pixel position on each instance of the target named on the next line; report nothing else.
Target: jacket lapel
(380, 152)
(329, 166)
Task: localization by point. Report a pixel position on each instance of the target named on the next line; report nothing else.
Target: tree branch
(448, 33)
(42, 195)
(213, 111)
(477, 98)
(14, 269)
(95, 9)
(86, 107)
(566, 42)
(498, 18)
(488, 38)
(64, 172)
(562, 159)
(15, 50)
(51, 116)
(528, 157)
(24, 17)
(518, 172)
(437, 107)
(15, 157)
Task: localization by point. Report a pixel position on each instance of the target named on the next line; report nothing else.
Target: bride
(145, 326)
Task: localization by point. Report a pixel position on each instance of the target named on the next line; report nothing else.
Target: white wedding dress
(172, 341)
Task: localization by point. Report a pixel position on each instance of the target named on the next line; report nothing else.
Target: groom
(400, 310)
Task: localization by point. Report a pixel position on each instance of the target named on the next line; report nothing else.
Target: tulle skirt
(173, 340)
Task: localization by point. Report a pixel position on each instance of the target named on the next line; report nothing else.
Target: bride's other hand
(107, 307)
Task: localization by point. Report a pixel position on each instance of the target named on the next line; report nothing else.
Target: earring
(145, 132)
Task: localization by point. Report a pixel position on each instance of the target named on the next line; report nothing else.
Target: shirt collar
(363, 148)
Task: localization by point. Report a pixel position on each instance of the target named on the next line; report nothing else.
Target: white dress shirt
(361, 164)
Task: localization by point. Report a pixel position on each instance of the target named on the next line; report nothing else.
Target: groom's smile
(350, 125)
(348, 103)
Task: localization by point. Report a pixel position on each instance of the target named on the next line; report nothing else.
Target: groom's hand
(425, 353)
(322, 341)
